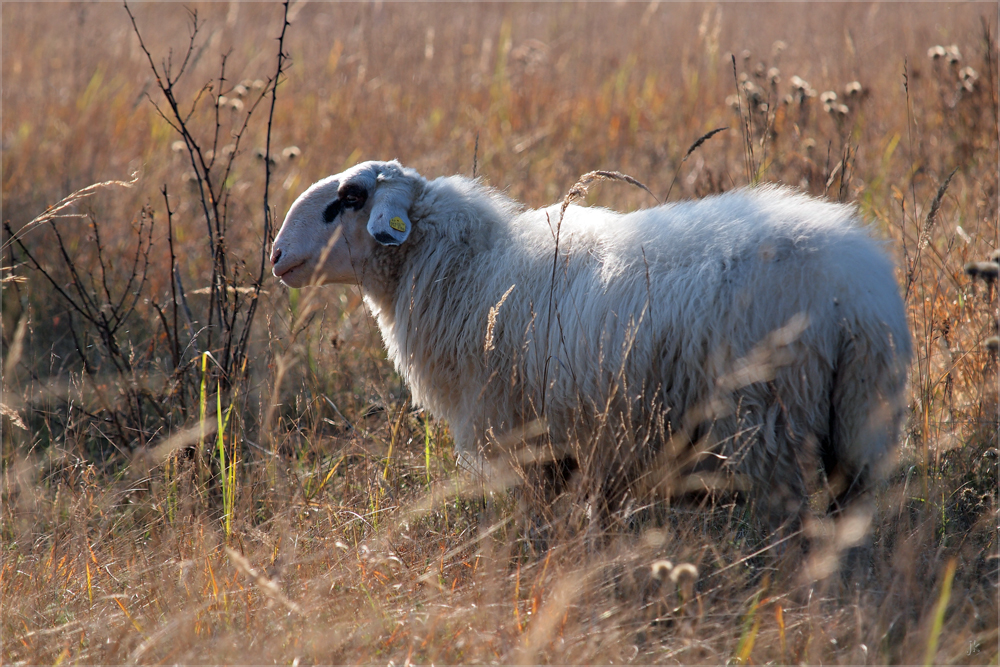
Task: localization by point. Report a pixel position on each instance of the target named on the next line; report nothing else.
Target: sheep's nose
(275, 255)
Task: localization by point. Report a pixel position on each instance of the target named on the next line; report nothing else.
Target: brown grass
(354, 537)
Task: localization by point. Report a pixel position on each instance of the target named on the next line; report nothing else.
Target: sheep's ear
(388, 223)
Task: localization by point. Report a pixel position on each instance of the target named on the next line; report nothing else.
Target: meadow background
(278, 500)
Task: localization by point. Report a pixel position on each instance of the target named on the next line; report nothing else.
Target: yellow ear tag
(397, 224)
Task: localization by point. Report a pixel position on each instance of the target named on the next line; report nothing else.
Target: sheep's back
(656, 304)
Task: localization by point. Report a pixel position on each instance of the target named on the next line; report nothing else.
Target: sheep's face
(332, 229)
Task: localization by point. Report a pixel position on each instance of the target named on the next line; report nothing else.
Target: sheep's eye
(353, 197)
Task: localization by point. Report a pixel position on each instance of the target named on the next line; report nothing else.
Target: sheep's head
(332, 229)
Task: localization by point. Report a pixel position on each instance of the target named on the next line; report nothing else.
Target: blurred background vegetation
(131, 458)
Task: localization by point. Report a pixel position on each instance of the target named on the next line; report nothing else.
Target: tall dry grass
(351, 534)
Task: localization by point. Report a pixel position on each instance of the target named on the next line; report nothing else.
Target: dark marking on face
(386, 239)
(332, 211)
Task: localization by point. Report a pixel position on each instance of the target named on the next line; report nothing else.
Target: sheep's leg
(864, 418)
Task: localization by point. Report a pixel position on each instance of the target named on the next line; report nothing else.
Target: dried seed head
(853, 89)
(759, 69)
(257, 84)
(953, 54)
(228, 150)
(661, 569)
(260, 154)
(754, 93)
(801, 89)
(684, 576)
(968, 76)
(986, 270)
(788, 99)
(236, 105)
(936, 52)
(683, 572)
(777, 48)
(827, 97)
(291, 152)
(834, 109)
(222, 101)
(774, 76)
(241, 90)
(809, 145)
(733, 101)
(178, 146)
(745, 55)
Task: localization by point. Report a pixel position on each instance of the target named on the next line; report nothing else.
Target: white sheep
(761, 329)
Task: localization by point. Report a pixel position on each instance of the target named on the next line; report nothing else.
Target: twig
(266, 244)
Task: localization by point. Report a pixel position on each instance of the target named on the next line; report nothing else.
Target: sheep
(754, 335)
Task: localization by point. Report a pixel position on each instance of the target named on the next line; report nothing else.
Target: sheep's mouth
(285, 273)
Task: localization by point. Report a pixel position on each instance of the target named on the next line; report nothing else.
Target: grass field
(200, 465)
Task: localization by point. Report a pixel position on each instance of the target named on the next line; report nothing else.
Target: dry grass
(352, 535)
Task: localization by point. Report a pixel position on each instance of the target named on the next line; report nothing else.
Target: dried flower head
(801, 90)
(828, 96)
(777, 48)
(222, 101)
(228, 150)
(257, 84)
(836, 110)
(986, 270)
(992, 345)
(236, 105)
(241, 90)
(968, 77)
(936, 52)
(953, 54)
(774, 76)
(853, 89)
(684, 576)
(178, 146)
(745, 55)
(291, 152)
(260, 154)
(660, 569)
(753, 92)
